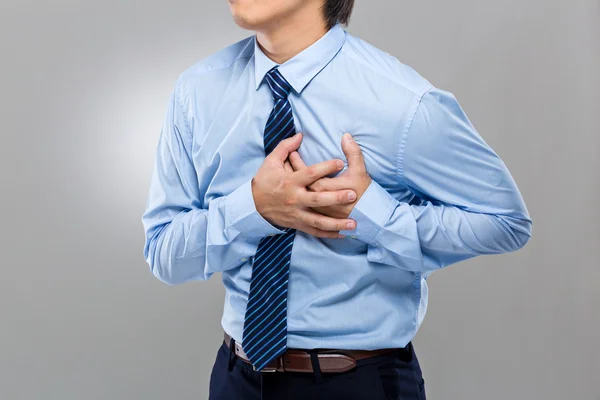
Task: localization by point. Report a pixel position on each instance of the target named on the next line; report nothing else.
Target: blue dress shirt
(439, 193)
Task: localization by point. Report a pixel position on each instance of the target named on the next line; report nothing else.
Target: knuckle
(289, 200)
(295, 218)
(284, 144)
(317, 223)
(315, 200)
(312, 171)
(286, 183)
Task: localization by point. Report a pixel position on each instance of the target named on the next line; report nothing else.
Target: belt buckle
(265, 369)
(278, 361)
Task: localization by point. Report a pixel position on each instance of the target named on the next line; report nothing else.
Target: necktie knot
(279, 86)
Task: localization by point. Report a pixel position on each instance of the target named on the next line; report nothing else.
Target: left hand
(355, 178)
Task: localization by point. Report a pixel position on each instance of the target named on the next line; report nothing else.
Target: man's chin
(244, 22)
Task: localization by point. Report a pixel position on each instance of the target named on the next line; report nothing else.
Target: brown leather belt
(297, 360)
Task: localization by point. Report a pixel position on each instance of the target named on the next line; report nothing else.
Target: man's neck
(286, 40)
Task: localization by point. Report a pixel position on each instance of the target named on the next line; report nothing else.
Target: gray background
(84, 87)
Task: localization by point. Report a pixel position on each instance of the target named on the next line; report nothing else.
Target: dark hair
(337, 11)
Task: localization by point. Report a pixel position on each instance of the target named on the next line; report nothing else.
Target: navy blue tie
(265, 328)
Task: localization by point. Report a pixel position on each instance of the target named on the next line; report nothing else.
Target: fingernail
(351, 196)
(341, 236)
(348, 137)
(340, 164)
(350, 225)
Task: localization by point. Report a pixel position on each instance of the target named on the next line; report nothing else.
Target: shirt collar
(301, 68)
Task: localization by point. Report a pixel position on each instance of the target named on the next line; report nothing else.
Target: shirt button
(353, 237)
(244, 260)
(271, 234)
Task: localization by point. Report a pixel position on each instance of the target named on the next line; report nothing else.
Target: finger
(287, 166)
(308, 175)
(281, 152)
(323, 222)
(326, 184)
(353, 152)
(298, 164)
(324, 199)
(319, 233)
(296, 161)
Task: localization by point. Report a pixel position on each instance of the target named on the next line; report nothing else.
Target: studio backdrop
(84, 88)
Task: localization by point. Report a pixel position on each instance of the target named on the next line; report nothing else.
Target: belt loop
(314, 359)
(231, 360)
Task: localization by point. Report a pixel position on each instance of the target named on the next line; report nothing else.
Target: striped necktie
(265, 327)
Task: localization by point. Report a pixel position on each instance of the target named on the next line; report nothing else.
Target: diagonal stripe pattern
(265, 323)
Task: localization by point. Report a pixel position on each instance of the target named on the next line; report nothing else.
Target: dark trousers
(394, 375)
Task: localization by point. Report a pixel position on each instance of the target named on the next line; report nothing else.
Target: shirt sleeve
(185, 240)
(467, 201)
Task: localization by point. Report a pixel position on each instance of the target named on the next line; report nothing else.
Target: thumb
(353, 152)
(281, 152)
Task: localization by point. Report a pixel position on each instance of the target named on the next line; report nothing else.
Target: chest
(230, 149)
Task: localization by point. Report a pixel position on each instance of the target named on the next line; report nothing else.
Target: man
(324, 265)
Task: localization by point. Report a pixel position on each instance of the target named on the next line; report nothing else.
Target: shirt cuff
(371, 212)
(241, 214)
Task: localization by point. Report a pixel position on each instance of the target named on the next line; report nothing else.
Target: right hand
(281, 196)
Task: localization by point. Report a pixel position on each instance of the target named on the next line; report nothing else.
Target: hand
(355, 178)
(281, 196)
